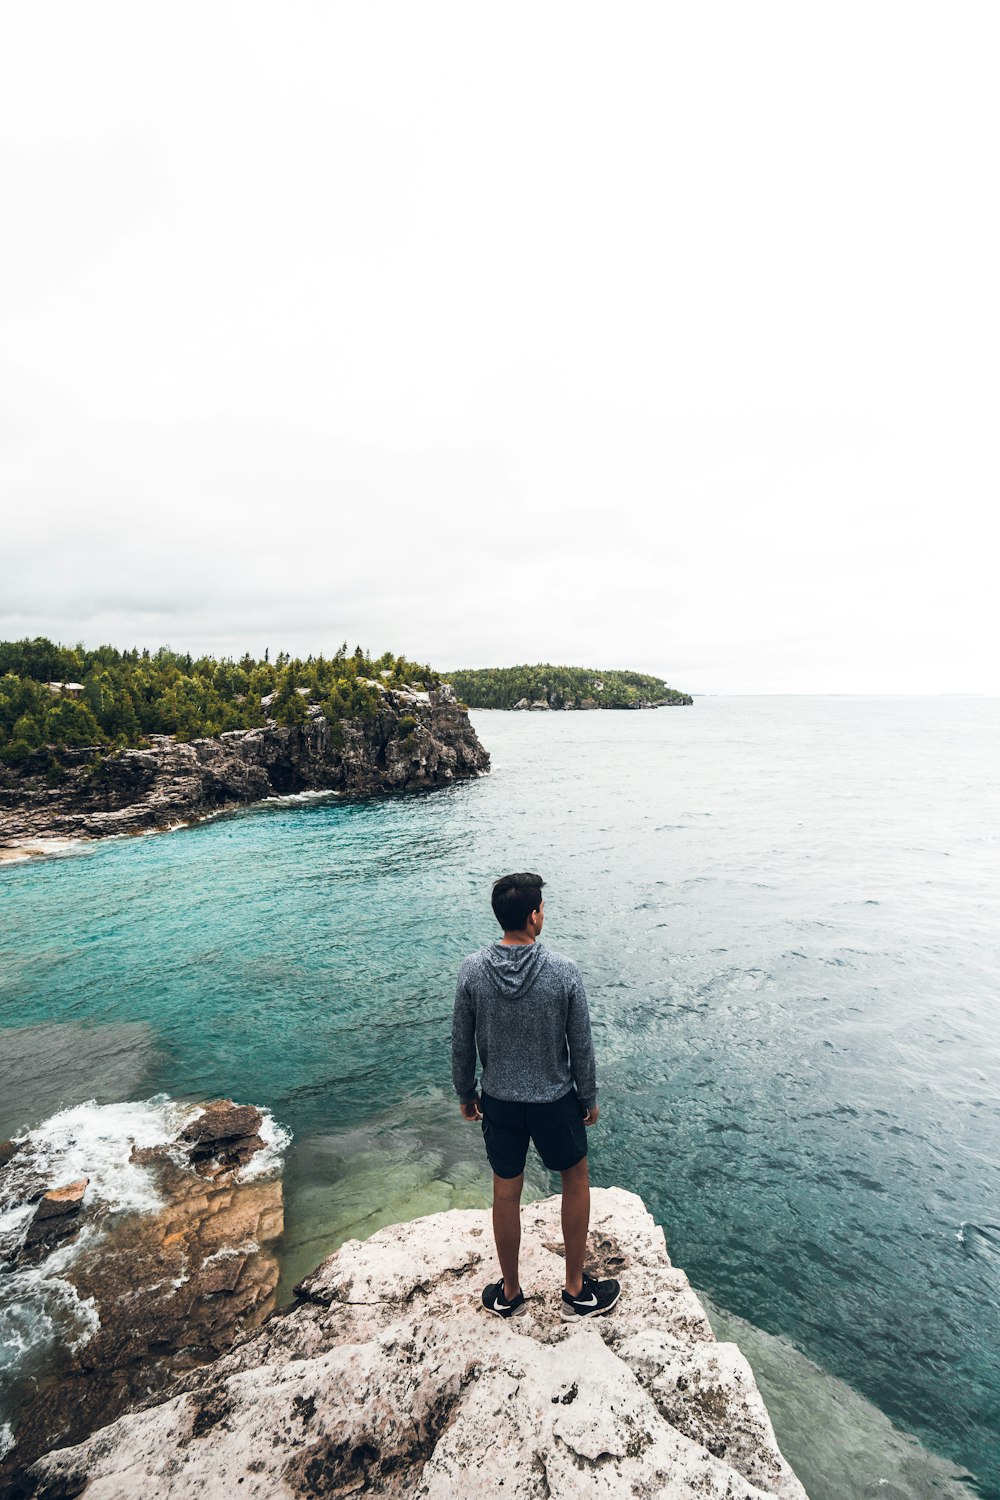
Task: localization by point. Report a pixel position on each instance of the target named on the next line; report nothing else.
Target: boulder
(8, 1150)
(54, 1218)
(541, 706)
(224, 1135)
(522, 705)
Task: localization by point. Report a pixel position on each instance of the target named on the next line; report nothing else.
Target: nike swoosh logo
(585, 1301)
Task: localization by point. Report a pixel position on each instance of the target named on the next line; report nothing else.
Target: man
(526, 1010)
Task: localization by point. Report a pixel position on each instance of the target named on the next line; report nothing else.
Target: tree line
(55, 696)
(561, 687)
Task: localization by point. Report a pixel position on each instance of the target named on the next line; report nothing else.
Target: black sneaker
(495, 1301)
(594, 1297)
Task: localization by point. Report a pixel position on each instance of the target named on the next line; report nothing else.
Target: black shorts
(557, 1130)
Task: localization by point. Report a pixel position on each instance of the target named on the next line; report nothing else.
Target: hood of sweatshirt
(514, 968)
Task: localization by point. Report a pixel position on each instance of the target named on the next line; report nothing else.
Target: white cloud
(662, 336)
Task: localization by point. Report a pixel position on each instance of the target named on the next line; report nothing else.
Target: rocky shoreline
(413, 740)
(571, 705)
(388, 1377)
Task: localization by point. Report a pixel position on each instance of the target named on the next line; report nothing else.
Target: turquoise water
(785, 912)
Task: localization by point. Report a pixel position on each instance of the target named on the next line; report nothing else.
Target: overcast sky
(659, 336)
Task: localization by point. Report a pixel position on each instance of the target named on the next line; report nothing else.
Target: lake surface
(785, 912)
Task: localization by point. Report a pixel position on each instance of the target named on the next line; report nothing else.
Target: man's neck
(516, 940)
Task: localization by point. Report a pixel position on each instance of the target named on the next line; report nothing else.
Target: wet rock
(54, 1219)
(222, 1120)
(226, 1134)
(8, 1150)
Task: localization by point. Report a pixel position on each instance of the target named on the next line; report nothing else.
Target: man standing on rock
(526, 1010)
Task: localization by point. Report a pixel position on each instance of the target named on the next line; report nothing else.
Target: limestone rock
(390, 1378)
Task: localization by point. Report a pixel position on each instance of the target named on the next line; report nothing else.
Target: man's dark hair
(515, 897)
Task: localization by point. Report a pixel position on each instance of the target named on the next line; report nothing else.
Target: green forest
(56, 696)
(561, 687)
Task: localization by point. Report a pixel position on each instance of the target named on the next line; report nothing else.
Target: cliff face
(390, 1378)
(414, 739)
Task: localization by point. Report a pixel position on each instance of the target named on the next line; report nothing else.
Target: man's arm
(463, 1043)
(581, 1044)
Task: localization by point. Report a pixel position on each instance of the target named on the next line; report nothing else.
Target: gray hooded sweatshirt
(526, 1010)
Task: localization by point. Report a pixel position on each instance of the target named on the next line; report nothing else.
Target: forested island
(547, 687)
(99, 742)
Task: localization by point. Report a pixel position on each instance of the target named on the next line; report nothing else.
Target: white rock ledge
(391, 1379)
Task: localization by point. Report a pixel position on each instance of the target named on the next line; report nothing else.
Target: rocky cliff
(412, 740)
(389, 1378)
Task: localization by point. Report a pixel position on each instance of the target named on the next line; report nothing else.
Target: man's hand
(590, 1115)
(471, 1111)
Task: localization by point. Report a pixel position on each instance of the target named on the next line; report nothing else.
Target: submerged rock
(390, 1378)
(168, 782)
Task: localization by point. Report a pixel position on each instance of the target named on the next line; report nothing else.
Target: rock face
(390, 1378)
(413, 740)
(170, 1288)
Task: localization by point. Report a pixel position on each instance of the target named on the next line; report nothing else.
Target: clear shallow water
(785, 911)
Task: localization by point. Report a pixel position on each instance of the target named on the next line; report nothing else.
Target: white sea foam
(294, 799)
(14, 1221)
(40, 1312)
(232, 1252)
(276, 1141)
(96, 1141)
(6, 1438)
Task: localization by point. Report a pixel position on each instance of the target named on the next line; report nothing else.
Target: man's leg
(507, 1229)
(575, 1223)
